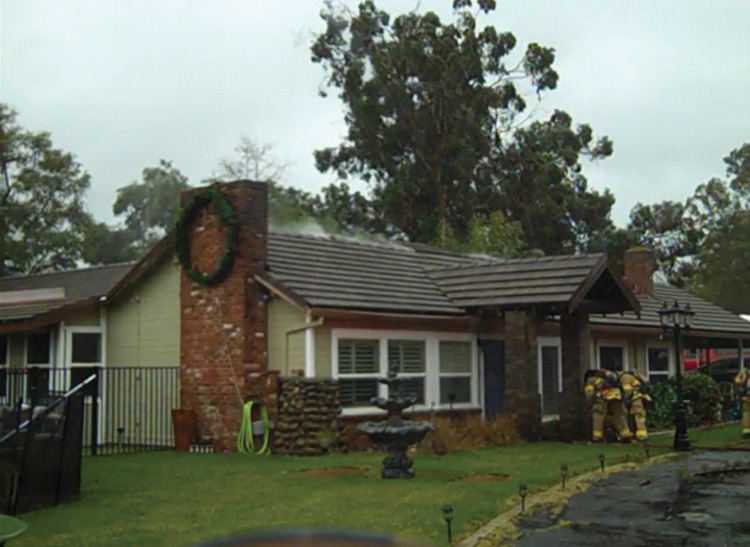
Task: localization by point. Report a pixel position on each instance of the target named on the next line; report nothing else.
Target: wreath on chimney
(199, 200)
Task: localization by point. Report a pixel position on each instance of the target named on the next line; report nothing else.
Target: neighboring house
(471, 333)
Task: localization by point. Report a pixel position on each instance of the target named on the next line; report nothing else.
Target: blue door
(494, 377)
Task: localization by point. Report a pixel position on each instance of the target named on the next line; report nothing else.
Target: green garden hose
(245, 442)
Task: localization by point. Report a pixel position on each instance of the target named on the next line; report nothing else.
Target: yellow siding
(323, 352)
(283, 317)
(143, 329)
(90, 319)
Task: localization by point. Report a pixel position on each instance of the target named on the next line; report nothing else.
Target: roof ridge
(505, 261)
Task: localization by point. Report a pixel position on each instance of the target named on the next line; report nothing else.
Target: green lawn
(177, 499)
(717, 437)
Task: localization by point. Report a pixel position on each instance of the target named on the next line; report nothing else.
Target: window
(37, 348)
(86, 347)
(658, 364)
(549, 377)
(612, 358)
(359, 369)
(409, 358)
(436, 368)
(455, 372)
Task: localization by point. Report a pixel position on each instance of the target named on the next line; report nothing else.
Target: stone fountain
(395, 432)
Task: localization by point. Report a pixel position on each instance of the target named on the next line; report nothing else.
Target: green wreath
(200, 200)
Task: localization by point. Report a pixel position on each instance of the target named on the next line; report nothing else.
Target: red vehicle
(694, 358)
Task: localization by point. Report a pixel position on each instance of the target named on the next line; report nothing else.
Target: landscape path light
(522, 491)
(448, 516)
(564, 473)
(601, 461)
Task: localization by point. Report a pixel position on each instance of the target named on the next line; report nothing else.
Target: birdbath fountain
(395, 433)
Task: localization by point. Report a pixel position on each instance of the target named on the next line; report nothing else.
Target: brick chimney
(223, 328)
(639, 269)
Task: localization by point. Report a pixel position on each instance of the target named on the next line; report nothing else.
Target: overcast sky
(122, 84)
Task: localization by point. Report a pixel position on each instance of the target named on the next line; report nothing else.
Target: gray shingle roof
(341, 273)
(507, 283)
(78, 285)
(708, 316)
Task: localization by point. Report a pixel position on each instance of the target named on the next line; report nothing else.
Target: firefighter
(605, 398)
(742, 385)
(634, 396)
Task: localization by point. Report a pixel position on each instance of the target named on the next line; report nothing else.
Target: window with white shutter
(409, 358)
(358, 372)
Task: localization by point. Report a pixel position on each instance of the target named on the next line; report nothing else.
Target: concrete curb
(556, 495)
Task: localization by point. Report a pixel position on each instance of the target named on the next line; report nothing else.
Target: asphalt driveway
(702, 499)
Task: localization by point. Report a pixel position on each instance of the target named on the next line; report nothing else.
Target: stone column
(223, 329)
(522, 401)
(575, 334)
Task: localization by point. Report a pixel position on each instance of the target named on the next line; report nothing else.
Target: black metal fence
(127, 409)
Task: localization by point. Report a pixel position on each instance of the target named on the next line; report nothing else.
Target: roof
(346, 273)
(552, 280)
(708, 317)
(77, 285)
(332, 272)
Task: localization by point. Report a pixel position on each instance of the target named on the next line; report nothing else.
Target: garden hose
(245, 442)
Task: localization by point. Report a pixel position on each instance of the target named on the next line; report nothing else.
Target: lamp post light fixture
(676, 318)
(564, 473)
(448, 516)
(522, 491)
(601, 461)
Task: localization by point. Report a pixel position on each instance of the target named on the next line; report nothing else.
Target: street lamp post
(677, 318)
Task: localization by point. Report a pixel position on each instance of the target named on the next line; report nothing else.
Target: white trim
(431, 375)
(613, 343)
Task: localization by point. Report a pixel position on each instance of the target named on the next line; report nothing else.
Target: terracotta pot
(184, 422)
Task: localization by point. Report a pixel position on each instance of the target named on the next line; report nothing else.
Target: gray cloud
(124, 84)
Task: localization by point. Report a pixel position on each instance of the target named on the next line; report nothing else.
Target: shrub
(701, 392)
(453, 434)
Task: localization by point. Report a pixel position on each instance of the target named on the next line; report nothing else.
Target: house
(472, 333)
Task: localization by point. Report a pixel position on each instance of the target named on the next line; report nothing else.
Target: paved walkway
(700, 500)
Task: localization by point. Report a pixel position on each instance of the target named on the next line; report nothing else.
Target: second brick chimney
(639, 270)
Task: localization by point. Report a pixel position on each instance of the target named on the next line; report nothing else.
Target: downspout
(309, 344)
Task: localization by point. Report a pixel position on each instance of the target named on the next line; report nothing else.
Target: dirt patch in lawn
(485, 477)
(333, 471)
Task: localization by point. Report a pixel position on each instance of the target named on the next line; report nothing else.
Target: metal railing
(40, 452)
(126, 409)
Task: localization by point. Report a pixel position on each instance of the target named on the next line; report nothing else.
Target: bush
(453, 434)
(701, 392)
